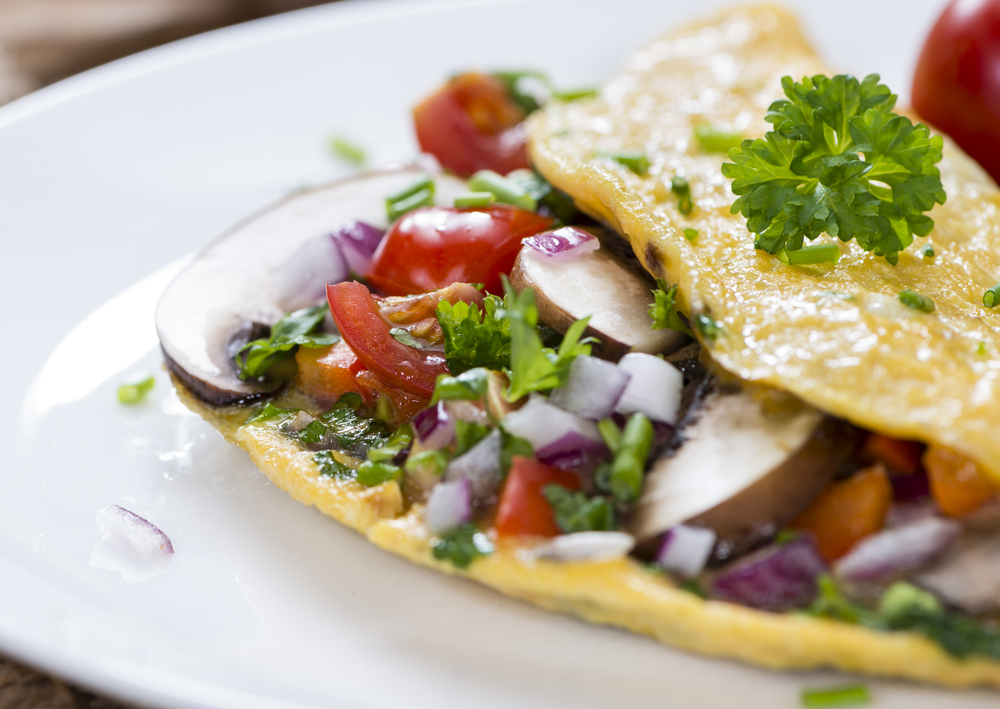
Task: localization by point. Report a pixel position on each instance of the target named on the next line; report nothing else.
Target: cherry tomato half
(523, 509)
(957, 83)
(472, 124)
(433, 247)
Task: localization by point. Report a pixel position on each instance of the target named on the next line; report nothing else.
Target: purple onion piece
(685, 550)
(565, 243)
(358, 242)
(778, 579)
(141, 535)
(578, 461)
(480, 465)
(434, 427)
(546, 427)
(593, 388)
(910, 487)
(301, 280)
(449, 505)
(894, 552)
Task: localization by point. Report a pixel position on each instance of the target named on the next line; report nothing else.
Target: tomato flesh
(432, 247)
(472, 124)
(363, 329)
(523, 509)
(901, 457)
(957, 82)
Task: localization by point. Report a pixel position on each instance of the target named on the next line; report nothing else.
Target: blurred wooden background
(43, 41)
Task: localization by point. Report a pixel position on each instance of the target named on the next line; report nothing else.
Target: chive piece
(928, 251)
(717, 140)
(991, 298)
(348, 150)
(419, 194)
(135, 389)
(506, 191)
(383, 409)
(919, 301)
(611, 434)
(811, 254)
(850, 696)
(632, 159)
(691, 234)
(475, 199)
(680, 187)
(981, 350)
(629, 464)
(575, 94)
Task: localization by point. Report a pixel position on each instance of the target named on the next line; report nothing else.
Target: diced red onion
(654, 389)
(358, 242)
(480, 465)
(910, 487)
(893, 552)
(907, 512)
(586, 546)
(434, 427)
(140, 535)
(578, 460)
(568, 242)
(449, 505)
(685, 550)
(593, 388)
(301, 280)
(779, 579)
(549, 429)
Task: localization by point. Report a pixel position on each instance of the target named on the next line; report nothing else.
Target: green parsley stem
(135, 390)
(575, 94)
(506, 191)
(849, 696)
(475, 199)
(717, 140)
(632, 159)
(630, 461)
(811, 254)
(421, 198)
(424, 183)
(991, 298)
(917, 301)
(348, 150)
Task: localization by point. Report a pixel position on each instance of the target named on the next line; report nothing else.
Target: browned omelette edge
(619, 593)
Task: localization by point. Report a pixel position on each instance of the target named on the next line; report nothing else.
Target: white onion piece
(896, 551)
(586, 546)
(593, 388)
(685, 550)
(568, 242)
(480, 465)
(449, 505)
(301, 280)
(654, 389)
(541, 424)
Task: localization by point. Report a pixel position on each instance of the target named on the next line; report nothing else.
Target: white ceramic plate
(109, 177)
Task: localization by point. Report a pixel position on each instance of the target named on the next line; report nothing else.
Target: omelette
(836, 337)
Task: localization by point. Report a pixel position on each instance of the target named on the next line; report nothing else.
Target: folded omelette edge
(835, 335)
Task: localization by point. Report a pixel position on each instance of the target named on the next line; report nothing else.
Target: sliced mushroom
(240, 280)
(603, 286)
(968, 577)
(741, 465)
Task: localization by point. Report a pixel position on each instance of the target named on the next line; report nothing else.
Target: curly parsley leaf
(575, 512)
(474, 338)
(664, 310)
(300, 328)
(808, 177)
(354, 432)
(462, 546)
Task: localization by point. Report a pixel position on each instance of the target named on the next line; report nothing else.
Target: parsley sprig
(301, 328)
(808, 176)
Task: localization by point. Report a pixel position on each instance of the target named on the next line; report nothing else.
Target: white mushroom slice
(968, 577)
(601, 285)
(241, 277)
(741, 467)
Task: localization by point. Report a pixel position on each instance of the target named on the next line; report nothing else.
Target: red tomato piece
(957, 83)
(364, 330)
(899, 456)
(523, 509)
(327, 373)
(472, 124)
(432, 247)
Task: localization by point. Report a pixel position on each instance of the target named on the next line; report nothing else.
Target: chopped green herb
(398, 442)
(632, 159)
(506, 191)
(991, 298)
(692, 587)
(691, 234)
(811, 254)
(555, 202)
(298, 329)
(838, 295)
(470, 385)
(383, 409)
(928, 251)
(354, 433)
(135, 389)
(903, 597)
(709, 327)
(371, 474)
(418, 194)
(575, 94)
(917, 301)
(468, 434)
(806, 177)
(611, 434)
(429, 461)
(629, 464)
(831, 602)
(850, 696)
(575, 512)
(717, 140)
(403, 336)
(266, 413)
(473, 338)
(981, 350)
(511, 446)
(529, 89)
(475, 199)
(680, 187)
(785, 536)
(331, 467)
(664, 310)
(462, 546)
(348, 150)
(313, 433)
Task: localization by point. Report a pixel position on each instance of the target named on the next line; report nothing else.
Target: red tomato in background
(472, 124)
(432, 247)
(523, 509)
(957, 83)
